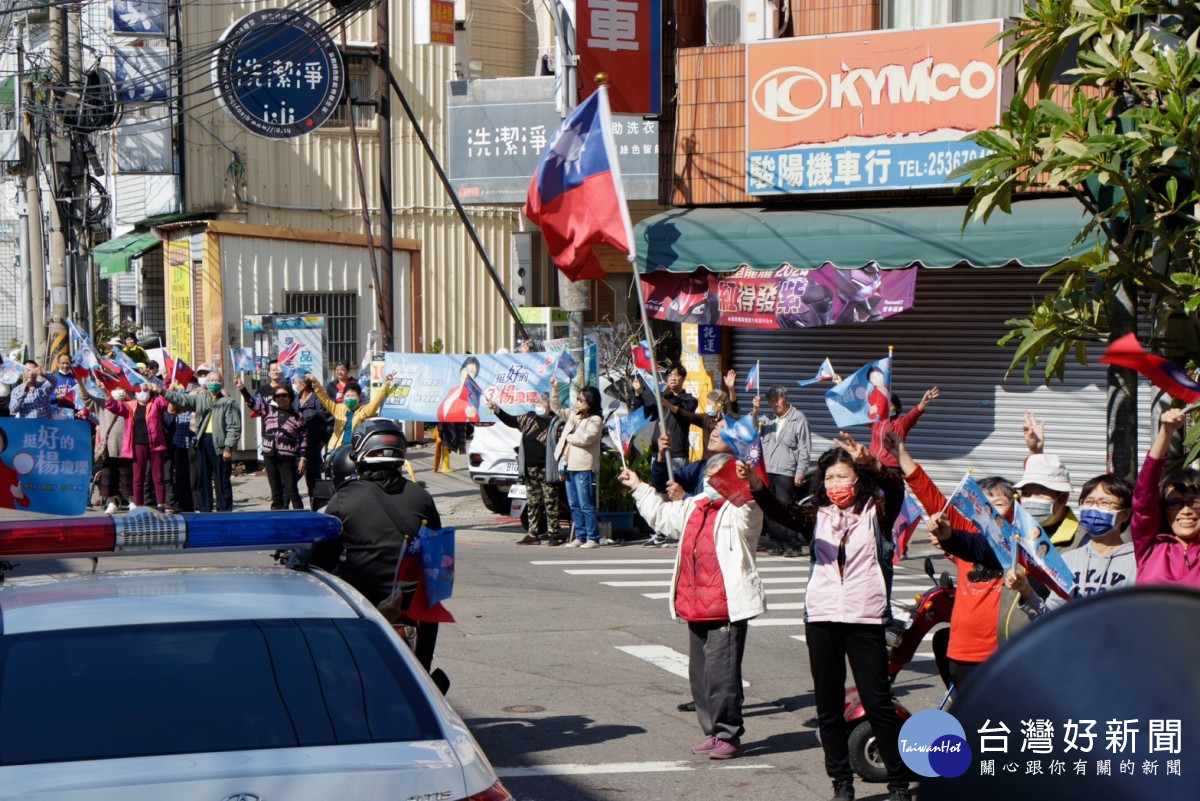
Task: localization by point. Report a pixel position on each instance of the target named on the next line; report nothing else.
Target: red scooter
(930, 608)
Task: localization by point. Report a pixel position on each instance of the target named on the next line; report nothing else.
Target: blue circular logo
(933, 743)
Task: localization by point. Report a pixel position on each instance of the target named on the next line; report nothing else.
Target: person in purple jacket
(284, 443)
(1166, 515)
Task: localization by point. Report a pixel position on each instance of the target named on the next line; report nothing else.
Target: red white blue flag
(576, 196)
(752, 379)
(178, 371)
(1163, 373)
(906, 524)
(641, 356)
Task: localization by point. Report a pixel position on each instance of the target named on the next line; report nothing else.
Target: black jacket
(677, 425)
(533, 436)
(379, 512)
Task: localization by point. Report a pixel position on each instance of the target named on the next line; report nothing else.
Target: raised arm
(319, 391)
(1147, 513)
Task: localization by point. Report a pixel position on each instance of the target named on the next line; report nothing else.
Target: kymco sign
(892, 96)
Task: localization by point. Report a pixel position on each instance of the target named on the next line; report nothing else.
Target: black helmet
(378, 443)
(340, 466)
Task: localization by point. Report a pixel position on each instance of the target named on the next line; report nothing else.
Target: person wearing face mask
(1166, 514)
(716, 589)
(847, 602)
(284, 443)
(1104, 561)
(538, 468)
(717, 404)
(218, 429)
(1045, 489)
(351, 411)
(145, 440)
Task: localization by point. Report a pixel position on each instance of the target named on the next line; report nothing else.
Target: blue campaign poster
(45, 465)
(973, 503)
(444, 388)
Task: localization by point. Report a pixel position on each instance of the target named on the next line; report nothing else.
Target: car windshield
(137, 691)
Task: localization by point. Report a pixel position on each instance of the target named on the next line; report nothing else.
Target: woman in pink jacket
(1166, 515)
(145, 442)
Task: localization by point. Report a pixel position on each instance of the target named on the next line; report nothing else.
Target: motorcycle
(930, 609)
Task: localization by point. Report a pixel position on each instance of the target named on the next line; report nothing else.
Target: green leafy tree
(1124, 143)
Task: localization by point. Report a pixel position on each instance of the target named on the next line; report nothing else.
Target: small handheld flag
(1039, 556)
(641, 356)
(864, 397)
(824, 373)
(752, 379)
(906, 524)
(971, 501)
(742, 436)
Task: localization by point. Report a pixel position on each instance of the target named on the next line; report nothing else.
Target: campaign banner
(970, 500)
(870, 110)
(45, 465)
(438, 387)
(623, 41)
(865, 397)
(784, 298)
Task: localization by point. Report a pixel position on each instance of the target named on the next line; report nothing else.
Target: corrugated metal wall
(949, 340)
(311, 183)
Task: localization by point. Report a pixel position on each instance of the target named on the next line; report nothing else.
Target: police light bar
(144, 531)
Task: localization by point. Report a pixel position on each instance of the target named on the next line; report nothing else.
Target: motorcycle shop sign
(870, 110)
(278, 73)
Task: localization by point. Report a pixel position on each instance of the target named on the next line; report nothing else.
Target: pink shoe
(706, 746)
(725, 749)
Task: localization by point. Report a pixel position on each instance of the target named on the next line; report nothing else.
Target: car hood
(379, 770)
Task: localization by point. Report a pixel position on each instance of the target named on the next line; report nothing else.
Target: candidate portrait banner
(973, 503)
(783, 298)
(437, 387)
(45, 465)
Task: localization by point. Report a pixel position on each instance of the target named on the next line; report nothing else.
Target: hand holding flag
(864, 397)
(752, 379)
(824, 373)
(1039, 556)
(242, 360)
(742, 436)
(641, 356)
(970, 500)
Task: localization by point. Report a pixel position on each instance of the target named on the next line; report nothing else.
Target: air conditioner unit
(733, 22)
(10, 147)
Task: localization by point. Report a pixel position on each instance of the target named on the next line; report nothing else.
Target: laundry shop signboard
(278, 73)
(870, 110)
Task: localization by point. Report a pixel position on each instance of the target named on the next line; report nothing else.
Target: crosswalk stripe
(636, 583)
(661, 656)
(777, 621)
(604, 571)
(605, 562)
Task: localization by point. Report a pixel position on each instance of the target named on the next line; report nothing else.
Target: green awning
(8, 97)
(115, 255)
(1038, 233)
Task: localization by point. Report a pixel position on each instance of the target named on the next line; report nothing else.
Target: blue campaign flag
(864, 397)
(1039, 556)
(824, 373)
(742, 436)
(242, 360)
(970, 500)
(437, 557)
(45, 465)
(566, 367)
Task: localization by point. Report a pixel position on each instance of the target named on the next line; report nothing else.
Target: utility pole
(57, 338)
(27, 173)
(383, 110)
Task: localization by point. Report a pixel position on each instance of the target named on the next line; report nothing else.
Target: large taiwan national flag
(1163, 373)
(576, 194)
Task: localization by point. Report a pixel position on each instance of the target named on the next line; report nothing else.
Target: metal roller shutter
(949, 340)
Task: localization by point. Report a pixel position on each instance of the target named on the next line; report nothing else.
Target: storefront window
(925, 13)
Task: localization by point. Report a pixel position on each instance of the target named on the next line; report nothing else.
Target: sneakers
(843, 790)
(554, 542)
(132, 506)
(725, 749)
(706, 746)
(111, 509)
(575, 544)
(655, 541)
(590, 544)
(792, 553)
(900, 794)
(529, 539)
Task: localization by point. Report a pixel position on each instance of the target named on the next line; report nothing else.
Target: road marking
(661, 656)
(605, 562)
(799, 637)
(778, 621)
(605, 571)
(618, 767)
(636, 583)
(782, 607)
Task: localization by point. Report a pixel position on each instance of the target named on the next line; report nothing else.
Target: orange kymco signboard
(871, 90)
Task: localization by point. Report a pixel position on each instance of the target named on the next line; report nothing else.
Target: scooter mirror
(929, 567)
(945, 582)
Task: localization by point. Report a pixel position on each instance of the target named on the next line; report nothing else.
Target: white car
(492, 462)
(213, 684)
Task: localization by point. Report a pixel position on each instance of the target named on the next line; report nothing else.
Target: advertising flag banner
(784, 298)
(623, 40)
(45, 465)
(970, 500)
(1039, 556)
(864, 397)
(870, 110)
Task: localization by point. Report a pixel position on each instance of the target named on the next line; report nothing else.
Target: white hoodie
(1093, 573)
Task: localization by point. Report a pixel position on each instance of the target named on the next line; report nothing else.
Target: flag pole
(757, 379)
(662, 419)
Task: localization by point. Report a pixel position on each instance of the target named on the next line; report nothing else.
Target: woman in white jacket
(715, 587)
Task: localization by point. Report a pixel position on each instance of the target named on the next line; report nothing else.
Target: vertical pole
(384, 112)
(57, 339)
(1122, 389)
(27, 143)
(662, 418)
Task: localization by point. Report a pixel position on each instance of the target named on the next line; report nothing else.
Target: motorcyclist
(381, 512)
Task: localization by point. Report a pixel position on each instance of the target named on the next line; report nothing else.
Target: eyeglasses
(1102, 503)
(1176, 503)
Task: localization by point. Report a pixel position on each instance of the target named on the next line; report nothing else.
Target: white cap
(1047, 470)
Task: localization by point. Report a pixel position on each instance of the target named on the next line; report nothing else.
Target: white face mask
(711, 492)
(1039, 509)
(541, 410)
(711, 410)
(142, 397)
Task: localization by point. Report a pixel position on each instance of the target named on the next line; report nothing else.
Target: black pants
(284, 479)
(784, 488)
(312, 469)
(715, 672)
(960, 672)
(116, 479)
(215, 473)
(829, 647)
(179, 489)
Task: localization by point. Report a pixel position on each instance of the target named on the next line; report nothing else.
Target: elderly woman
(716, 589)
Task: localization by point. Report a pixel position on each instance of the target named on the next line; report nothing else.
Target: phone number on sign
(940, 163)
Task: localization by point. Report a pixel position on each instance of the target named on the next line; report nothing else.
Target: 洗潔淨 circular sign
(278, 73)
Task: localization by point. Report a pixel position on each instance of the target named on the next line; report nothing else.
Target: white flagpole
(757, 378)
(614, 165)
